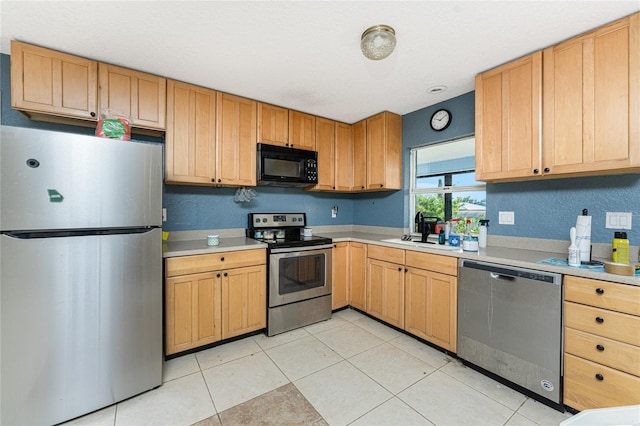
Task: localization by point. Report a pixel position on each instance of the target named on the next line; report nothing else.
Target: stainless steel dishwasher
(510, 325)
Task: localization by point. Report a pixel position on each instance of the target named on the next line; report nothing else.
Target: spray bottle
(482, 235)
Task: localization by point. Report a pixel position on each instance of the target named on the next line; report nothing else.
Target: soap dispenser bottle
(482, 234)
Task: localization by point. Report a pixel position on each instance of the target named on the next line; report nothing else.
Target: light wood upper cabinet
(273, 124)
(54, 83)
(384, 151)
(357, 275)
(244, 300)
(359, 156)
(236, 140)
(340, 275)
(141, 96)
(190, 155)
(344, 165)
(509, 119)
(325, 145)
(572, 110)
(592, 101)
(302, 130)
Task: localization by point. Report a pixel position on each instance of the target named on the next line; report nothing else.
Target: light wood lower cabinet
(431, 308)
(602, 343)
(244, 300)
(340, 275)
(357, 275)
(193, 311)
(385, 291)
(212, 297)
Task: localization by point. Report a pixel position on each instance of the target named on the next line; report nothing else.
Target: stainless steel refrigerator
(80, 273)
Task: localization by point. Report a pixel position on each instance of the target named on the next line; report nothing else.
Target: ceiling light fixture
(436, 90)
(378, 42)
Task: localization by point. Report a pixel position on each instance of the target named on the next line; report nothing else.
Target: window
(443, 183)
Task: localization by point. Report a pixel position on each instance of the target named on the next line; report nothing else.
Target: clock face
(440, 119)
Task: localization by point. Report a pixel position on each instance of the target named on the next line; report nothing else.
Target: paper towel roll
(583, 237)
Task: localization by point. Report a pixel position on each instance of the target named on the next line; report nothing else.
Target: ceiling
(305, 55)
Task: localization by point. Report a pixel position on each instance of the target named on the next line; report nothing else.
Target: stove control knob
(264, 220)
(258, 220)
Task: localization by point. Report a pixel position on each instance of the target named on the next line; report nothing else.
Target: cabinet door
(325, 144)
(191, 134)
(340, 275)
(343, 166)
(359, 156)
(51, 82)
(509, 120)
(244, 300)
(273, 125)
(357, 275)
(384, 151)
(302, 130)
(431, 307)
(385, 291)
(592, 100)
(141, 96)
(192, 311)
(236, 141)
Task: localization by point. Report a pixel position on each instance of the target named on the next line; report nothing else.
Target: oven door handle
(299, 249)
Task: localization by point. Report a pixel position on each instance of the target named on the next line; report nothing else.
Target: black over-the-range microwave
(280, 166)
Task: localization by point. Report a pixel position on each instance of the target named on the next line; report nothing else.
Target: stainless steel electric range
(299, 270)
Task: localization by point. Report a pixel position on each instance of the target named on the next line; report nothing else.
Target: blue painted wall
(543, 208)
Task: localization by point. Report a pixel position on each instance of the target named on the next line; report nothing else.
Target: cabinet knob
(536, 171)
(600, 290)
(406, 270)
(599, 377)
(547, 170)
(599, 320)
(218, 275)
(225, 274)
(399, 269)
(219, 180)
(213, 179)
(362, 187)
(222, 259)
(93, 114)
(600, 348)
(381, 186)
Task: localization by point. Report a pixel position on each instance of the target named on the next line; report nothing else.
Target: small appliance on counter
(299, 270)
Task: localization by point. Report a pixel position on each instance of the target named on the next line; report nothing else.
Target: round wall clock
(440, 120)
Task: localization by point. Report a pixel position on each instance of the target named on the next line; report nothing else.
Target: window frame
(414, 192)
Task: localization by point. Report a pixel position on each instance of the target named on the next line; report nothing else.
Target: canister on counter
(620, 248)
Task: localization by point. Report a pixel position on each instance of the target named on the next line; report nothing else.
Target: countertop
(506, 256)
(191, 247)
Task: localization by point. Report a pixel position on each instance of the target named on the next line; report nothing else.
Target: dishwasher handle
(496, 276)
(511, 273)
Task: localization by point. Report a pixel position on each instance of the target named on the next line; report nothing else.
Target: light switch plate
(506, 218)
(618, 220)
(164, 215)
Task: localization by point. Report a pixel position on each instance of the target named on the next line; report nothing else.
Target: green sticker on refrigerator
(55, 196)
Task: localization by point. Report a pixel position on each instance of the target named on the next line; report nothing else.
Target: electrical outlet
(618, 220)
(164, 215)
(506, 218)
(334, 211)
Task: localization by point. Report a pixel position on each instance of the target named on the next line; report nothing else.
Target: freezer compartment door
(81, 323)
(52, 180)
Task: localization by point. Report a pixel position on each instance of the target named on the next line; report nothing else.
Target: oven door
(299, 273)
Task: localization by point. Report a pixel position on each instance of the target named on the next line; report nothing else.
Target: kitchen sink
(422, 245)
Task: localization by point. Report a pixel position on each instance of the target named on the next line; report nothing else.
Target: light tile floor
(350, 369)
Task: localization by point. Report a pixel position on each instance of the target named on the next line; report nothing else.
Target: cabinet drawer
(622, 327)
(387, 254)
(603, 294)
(590, 385)
(212, 262)
(611, 353)
(432, 262)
